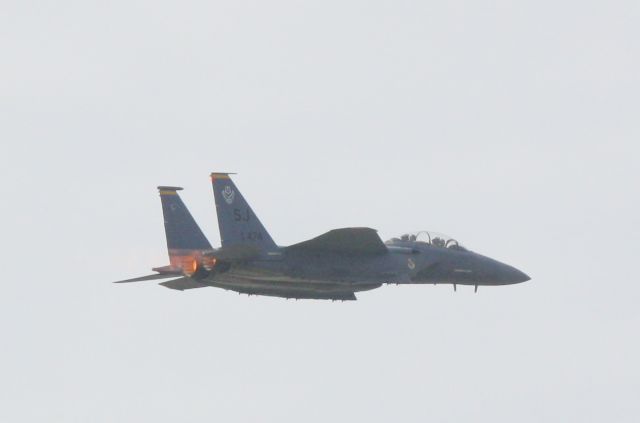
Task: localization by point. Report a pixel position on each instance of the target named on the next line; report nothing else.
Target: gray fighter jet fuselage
(333, 266)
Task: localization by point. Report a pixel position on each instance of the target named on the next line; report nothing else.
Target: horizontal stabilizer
(182, 284)
(168, 270)
(148, 278)
(344, 241)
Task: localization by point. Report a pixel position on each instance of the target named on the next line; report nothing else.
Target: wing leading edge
(344, 241)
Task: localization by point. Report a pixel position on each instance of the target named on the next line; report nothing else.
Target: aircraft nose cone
(519, 276)
(503, 274)
(487, 271)
(511, 275)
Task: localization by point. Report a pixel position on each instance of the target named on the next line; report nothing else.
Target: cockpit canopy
(434, 239)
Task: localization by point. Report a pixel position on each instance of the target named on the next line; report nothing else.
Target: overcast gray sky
(512, 126)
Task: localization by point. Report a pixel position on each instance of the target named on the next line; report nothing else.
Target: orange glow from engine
(189, 266)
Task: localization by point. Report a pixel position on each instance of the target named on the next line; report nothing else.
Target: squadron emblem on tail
(228, 194)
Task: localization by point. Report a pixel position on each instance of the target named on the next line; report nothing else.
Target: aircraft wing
(345, 241)
(182, 284)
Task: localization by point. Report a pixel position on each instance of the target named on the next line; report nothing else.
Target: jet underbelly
(245, 278)
(289, 287)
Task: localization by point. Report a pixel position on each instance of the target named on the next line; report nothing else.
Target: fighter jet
(332, 266)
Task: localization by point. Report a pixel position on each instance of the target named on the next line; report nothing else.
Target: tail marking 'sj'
(238, 224)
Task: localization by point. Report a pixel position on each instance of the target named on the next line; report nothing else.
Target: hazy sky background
(513, 126)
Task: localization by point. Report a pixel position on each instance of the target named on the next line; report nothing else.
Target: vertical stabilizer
(185, 240)
(238, 224)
